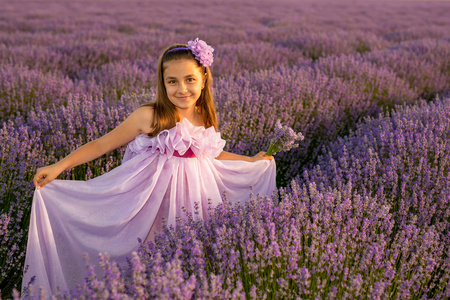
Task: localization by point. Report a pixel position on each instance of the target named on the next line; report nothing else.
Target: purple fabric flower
(285, 139)
(202, 52)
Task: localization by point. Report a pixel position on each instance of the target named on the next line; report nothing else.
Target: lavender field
(363, 205)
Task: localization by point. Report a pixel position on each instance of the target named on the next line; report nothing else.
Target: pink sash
(188, 154)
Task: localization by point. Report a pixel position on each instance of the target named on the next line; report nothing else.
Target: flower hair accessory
(202, 52)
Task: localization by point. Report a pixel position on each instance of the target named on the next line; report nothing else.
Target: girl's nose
(183, 88)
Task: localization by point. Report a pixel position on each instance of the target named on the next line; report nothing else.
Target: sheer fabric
(157, 178)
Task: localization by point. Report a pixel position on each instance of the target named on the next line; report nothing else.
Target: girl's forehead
(180, 66)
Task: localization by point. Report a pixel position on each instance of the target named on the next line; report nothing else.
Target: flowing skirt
(110, 212)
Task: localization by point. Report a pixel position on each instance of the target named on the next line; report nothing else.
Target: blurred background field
(334, 70)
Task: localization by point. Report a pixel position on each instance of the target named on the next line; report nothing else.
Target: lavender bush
(69, 74)
(322, 44)
(21, 88)
(427, 75)
(401, 158)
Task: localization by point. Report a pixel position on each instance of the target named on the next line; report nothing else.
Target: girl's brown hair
(165, 114)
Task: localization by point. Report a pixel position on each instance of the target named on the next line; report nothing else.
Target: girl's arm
(231, 156)
(137, 122)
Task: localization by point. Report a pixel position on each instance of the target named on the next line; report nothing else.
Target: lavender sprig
(285, 139)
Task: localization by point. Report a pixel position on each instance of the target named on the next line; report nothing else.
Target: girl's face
(184, 82)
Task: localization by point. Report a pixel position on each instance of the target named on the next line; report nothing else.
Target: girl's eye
(191, 80)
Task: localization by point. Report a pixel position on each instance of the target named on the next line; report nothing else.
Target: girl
(174, 158)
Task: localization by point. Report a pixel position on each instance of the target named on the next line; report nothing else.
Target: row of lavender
(421, 64)
(372, 218)
(71, 39)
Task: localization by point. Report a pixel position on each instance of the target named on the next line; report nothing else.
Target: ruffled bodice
(181, 138)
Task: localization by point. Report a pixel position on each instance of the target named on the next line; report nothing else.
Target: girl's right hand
(262, 156)
(45, 174)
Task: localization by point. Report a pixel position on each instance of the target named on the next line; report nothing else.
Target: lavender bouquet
(285, 139)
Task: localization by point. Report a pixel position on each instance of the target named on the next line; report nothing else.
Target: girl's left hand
(261, 156)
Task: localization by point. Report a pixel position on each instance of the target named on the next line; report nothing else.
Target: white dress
(157, 178)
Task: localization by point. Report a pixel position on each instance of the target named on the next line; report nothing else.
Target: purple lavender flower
(285, 139)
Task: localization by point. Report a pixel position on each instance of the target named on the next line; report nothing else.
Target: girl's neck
(192, 115)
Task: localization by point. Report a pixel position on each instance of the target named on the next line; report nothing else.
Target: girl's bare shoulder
(145, 116)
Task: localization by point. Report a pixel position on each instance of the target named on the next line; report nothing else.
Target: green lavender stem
(272, 149)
